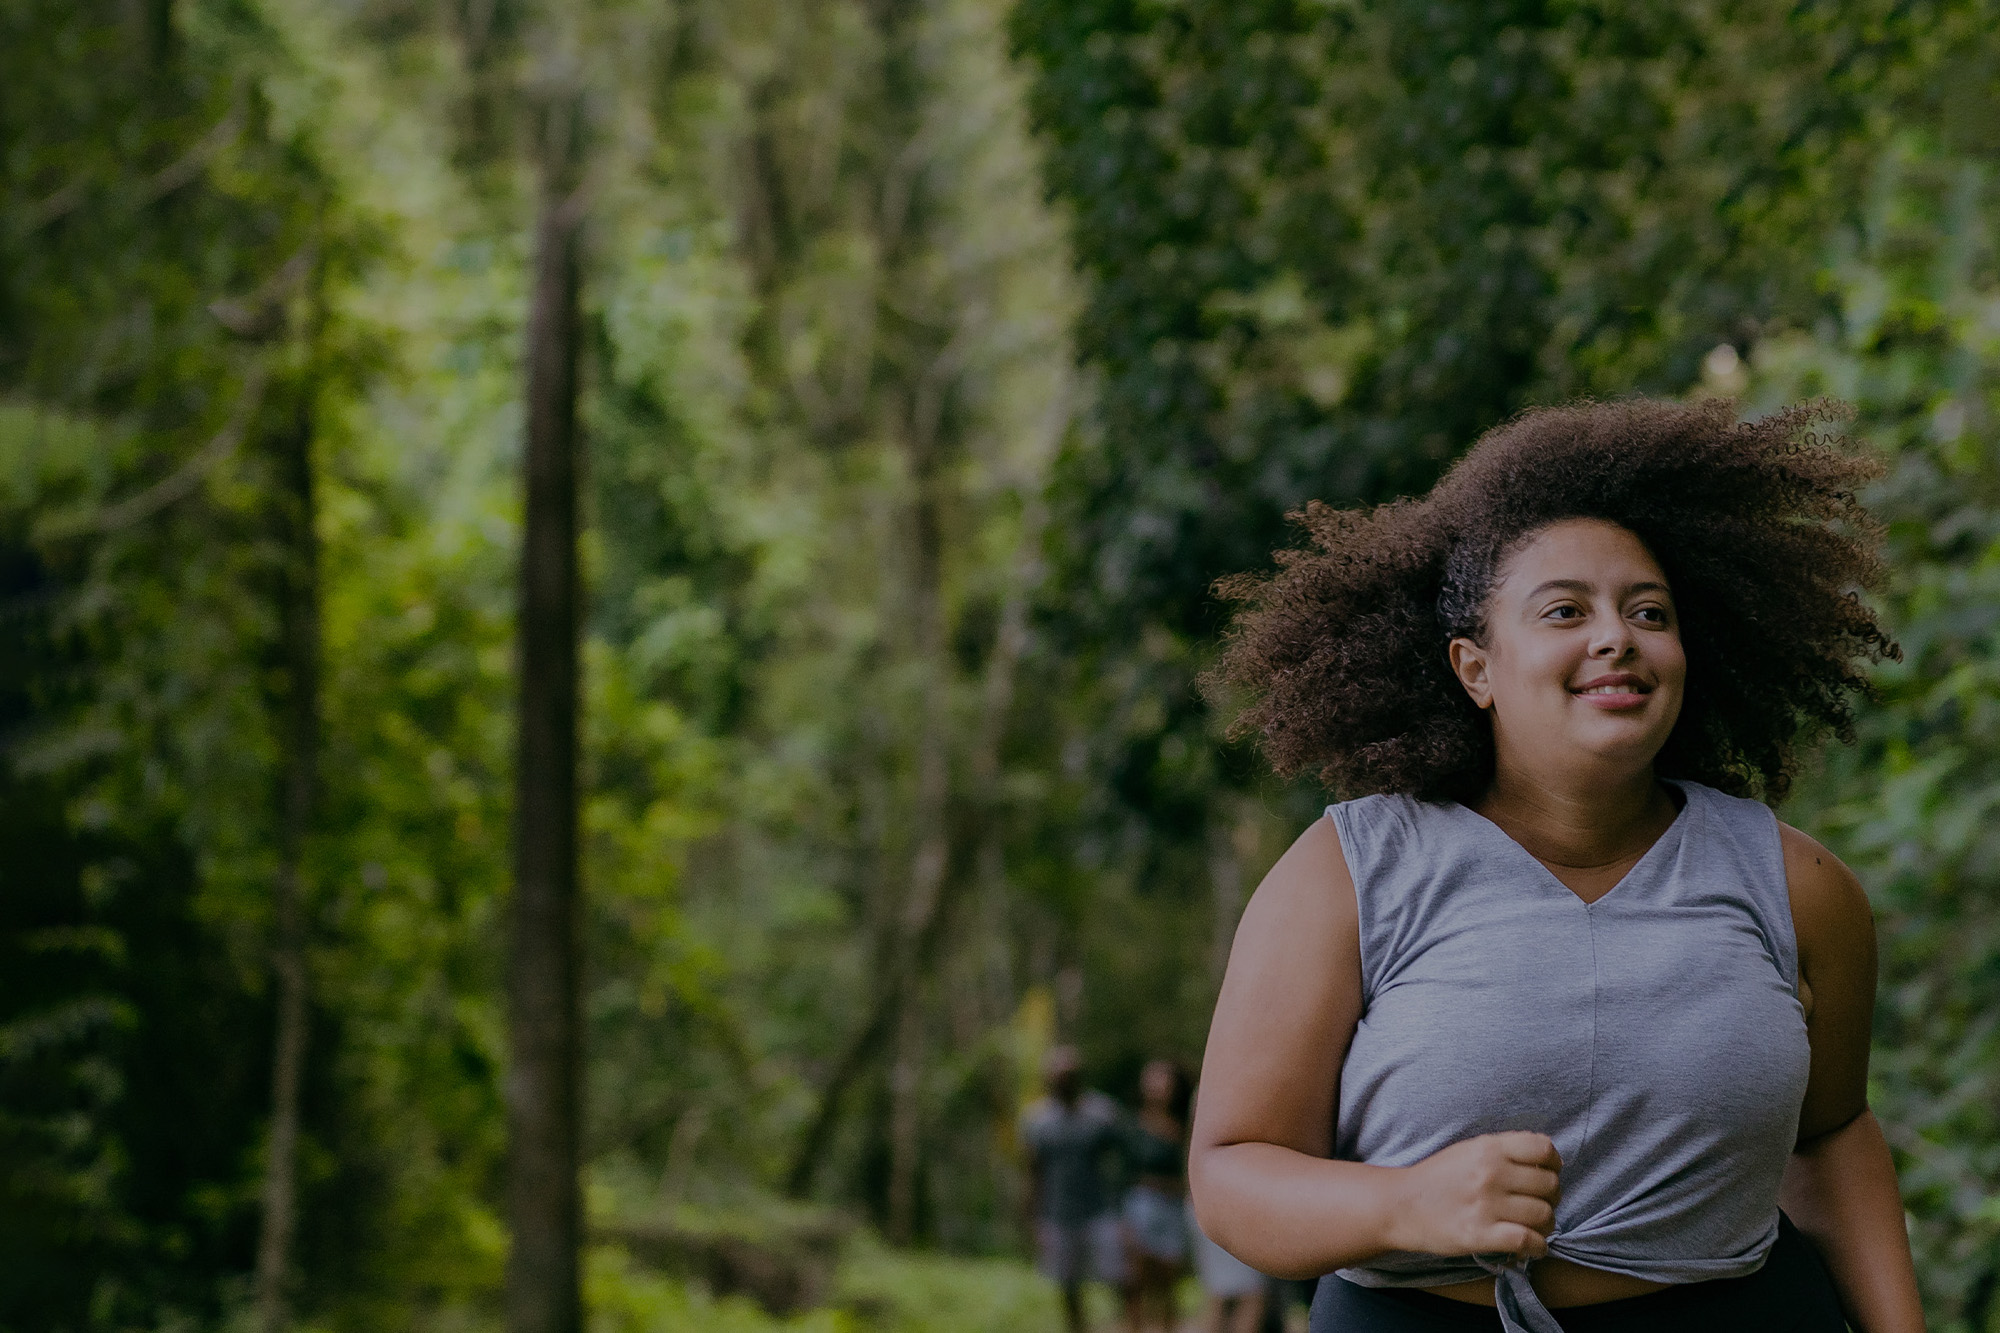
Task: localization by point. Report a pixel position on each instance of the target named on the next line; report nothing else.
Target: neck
(1579, 820)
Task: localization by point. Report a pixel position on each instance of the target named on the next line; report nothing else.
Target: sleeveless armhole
(1784, 926)
(1752, 829)
(1361, 826)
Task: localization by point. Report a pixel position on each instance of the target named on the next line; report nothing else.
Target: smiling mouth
(1616, 692)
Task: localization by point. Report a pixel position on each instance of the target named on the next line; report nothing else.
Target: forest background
(936, 357)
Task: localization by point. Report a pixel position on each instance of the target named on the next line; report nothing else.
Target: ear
(1469, 664)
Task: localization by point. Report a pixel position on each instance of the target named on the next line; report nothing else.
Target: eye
(1563, 611)
(1652, 615)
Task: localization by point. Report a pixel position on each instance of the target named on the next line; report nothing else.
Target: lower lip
(1615, 703)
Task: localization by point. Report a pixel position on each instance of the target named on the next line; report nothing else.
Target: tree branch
(176, 485)
(183, 170)
(261, 313)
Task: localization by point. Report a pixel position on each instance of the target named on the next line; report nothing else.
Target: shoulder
(1743, 816)
(1385, 830)
(1827, 897)
(1831, 916)
(1760, 839)
(1385, 815)
(1290, 1000)
(1303, 919)
(1312, 878)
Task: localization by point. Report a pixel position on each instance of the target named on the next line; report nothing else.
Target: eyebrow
(1578, 585)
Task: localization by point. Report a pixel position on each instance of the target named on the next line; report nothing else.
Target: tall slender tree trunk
(930, 862)
(544, 1095)
(299, 632)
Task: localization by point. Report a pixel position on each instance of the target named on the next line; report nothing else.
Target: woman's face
(1583, 657)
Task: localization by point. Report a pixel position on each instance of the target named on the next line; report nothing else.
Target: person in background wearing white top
(1232, 1291)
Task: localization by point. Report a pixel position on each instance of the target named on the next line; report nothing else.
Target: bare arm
(1840, 1185)
(1262, 1185)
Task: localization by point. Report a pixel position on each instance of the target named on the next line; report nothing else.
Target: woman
(1155, 1210)
(1540, 1031)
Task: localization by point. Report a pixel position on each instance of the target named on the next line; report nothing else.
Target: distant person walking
(1069, 1134)
(1233, 1293)
(1155, 1210)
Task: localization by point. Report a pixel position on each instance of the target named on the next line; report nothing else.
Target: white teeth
(1612, 689)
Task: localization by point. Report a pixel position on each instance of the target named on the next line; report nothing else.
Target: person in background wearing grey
(1539, 1027)
(1070, 1136)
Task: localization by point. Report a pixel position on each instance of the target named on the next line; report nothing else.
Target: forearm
(1841, 1191)
(1292, 1215)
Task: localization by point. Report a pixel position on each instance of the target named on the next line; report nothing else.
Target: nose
(1612, 641)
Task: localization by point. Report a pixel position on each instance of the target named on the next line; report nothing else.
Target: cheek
(1542, 667)
(1529, 685)
(1670, 662)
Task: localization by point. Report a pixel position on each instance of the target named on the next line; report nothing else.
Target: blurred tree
(296, 703)
(1329, 244)
(158, 234)
(902, 363)
(1916, 347)
(544, 1097)
(889, 766)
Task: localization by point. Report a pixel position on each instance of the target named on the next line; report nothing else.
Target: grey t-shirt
(1655, 1034)
(1067, 1151)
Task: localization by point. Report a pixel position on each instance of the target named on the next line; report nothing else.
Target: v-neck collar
(1671, 834)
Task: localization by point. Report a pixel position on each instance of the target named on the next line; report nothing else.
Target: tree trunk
(298, 617)
(930, 813)
(544, 1095)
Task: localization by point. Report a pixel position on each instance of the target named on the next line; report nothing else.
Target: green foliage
(1916, 349)
(119, 1005)
(155, 206)
(1327, 245)
(877, 1290)
(903, 1292)
(756, 696)
(624, 1298)
(834, 331)
(1331, 243)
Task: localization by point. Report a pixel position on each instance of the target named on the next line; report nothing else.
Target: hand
(1495, 1194)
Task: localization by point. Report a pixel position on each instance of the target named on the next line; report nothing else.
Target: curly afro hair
(1756, 524)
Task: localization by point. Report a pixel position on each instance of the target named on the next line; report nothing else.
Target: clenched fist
(1495, 1194)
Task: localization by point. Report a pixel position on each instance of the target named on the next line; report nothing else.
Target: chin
(1628, 751)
